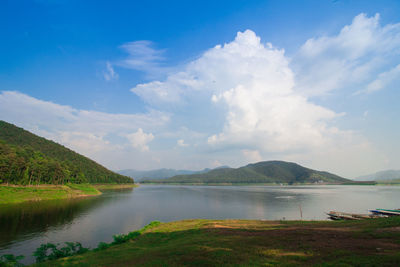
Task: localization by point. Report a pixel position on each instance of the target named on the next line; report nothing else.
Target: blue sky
(151, 84)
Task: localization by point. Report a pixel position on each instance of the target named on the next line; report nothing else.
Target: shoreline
(14, 194)
(202, 242)
(258, 184)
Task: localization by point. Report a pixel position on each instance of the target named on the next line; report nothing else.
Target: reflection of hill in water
(18, 221)
(248, 202)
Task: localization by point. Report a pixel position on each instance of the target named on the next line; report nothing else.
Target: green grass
(86, 189)
(11, 194)
(374, 242)
(103, 187)
(18, 194)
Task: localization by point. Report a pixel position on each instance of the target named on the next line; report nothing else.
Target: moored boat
(395, 212)
(335, 215)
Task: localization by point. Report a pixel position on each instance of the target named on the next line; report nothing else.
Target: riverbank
(12, 194)
(257, 184)
(374, 242)
(103, 187)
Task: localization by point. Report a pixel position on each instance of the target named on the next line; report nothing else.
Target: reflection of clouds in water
(122, 213)
(258, 211)
(286, 197)
(45, 221)
(314, 190)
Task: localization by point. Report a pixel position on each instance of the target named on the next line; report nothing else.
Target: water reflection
(22, 220)
(90, 221)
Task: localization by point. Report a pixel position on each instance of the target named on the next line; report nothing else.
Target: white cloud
(94, 134)
(140, 139)
(83, 141)
(144, 57)
(349, 159)
(109, 74)
(216, 164)
(252, 155)
(181, 143)
(347, 60)
(249, 92)
(384, 79)
(254, 84)
(241, 101)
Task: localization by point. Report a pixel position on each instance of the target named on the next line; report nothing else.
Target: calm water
(24, 227)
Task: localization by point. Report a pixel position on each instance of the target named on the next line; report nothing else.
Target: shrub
(9, 260)
(50, 251)
(149, 226)
(119, 239)
(101, 246)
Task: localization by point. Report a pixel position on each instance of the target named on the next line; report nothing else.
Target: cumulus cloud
(259, 101)
(252, 155)
(92, 133)
(254, 84)
(140, 139)
(347, 60)
(109, 74)
(241, 101)
(181, 143)
(82, 141)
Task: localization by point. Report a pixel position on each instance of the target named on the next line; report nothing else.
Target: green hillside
(261, 172)
(26, 159)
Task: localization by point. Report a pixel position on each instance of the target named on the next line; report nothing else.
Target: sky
(200, 84)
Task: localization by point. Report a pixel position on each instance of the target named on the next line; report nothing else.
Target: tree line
(26, 158)
(26, 166)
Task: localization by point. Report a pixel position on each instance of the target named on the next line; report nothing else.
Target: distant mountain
(261, 172)
(160, 173)
(26, 158)
(386, 175)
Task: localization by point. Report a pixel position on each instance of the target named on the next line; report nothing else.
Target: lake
(24, 227)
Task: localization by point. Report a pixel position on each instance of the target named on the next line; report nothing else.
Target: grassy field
(17, 194)
(374, 242)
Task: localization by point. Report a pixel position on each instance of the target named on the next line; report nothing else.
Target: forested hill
(261, 172)
(26, 158)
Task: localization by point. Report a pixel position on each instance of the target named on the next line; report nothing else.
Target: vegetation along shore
(372, 242)
(12, 194)
(33, 168)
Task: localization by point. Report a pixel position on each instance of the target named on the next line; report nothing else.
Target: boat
(335, 215)
(395, 212)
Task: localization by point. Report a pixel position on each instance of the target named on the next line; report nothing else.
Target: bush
(119, 239)
(133, 235)
(50, 251)
(150, 225)
(9, 260)
(101, 246)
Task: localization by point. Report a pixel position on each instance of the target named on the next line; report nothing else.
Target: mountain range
(26, 158)
(261, 172)
(161, 173)
(386, 175)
